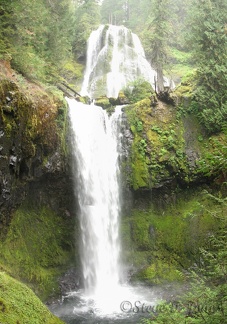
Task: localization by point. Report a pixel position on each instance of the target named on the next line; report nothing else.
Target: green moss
(62, 125)
(31, 117)
(140, 173)
(18, 304)
(122, 97)
(157, 151)
(8, 129)
(104, 103)
(72, 71)
(212, 162)
(161, 271)
(36, 248)
(164, 243)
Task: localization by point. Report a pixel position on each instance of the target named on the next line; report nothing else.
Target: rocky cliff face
(175, 171)
(168, 147)
(32, 124)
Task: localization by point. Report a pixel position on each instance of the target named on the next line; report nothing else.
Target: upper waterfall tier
(115, 57)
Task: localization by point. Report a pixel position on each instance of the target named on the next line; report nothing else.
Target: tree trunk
(160, 80)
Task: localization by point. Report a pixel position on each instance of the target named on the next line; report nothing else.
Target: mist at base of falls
(127, 305)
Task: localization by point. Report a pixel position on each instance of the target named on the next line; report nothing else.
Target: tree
(130, 13)
(87, 19)
(37, 34)
(61, 26)
(5, 29)
(159, 29)
(208, 25)
(114, 12)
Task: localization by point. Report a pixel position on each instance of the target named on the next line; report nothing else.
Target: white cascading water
(96, 138)
(115, 57)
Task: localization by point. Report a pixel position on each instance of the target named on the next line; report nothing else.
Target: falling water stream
(115, 57)
(96, 146)
(105, 297)
(96, 142)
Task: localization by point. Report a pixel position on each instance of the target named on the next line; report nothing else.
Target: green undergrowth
(18, 304)
(36, 249)
(138, 90)
(213, 161)
(181, 63)
(163, 244)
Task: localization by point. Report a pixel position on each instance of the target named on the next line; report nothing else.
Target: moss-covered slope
(18, 304)
(163, 243)
(37, 248)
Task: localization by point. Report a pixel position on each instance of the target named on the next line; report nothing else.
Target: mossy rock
(36, 249)
(162, 243)
(183, 93)
(18, 304)
(158, 148)
(103, 102)
(161, 271)
(120, 100)
(32, 118)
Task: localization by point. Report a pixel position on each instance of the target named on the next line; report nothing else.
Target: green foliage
(163, 243)
(214, 161)
(18, 304)
(157, 34)
(181, 63)
(206, 301)
(138, 90)
(113, 13)
(37, 35)
(209, 42)
(129, 13)
(87, 19)
(161, 271)
(36, 248)
(5, 30)
(72, 72)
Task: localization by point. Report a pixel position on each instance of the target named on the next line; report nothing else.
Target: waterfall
(115, 57)
(96, 150)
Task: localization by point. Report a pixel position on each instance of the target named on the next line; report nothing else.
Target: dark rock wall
(33, 151)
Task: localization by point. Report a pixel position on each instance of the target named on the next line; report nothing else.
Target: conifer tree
(159, 29)
(209, 42)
